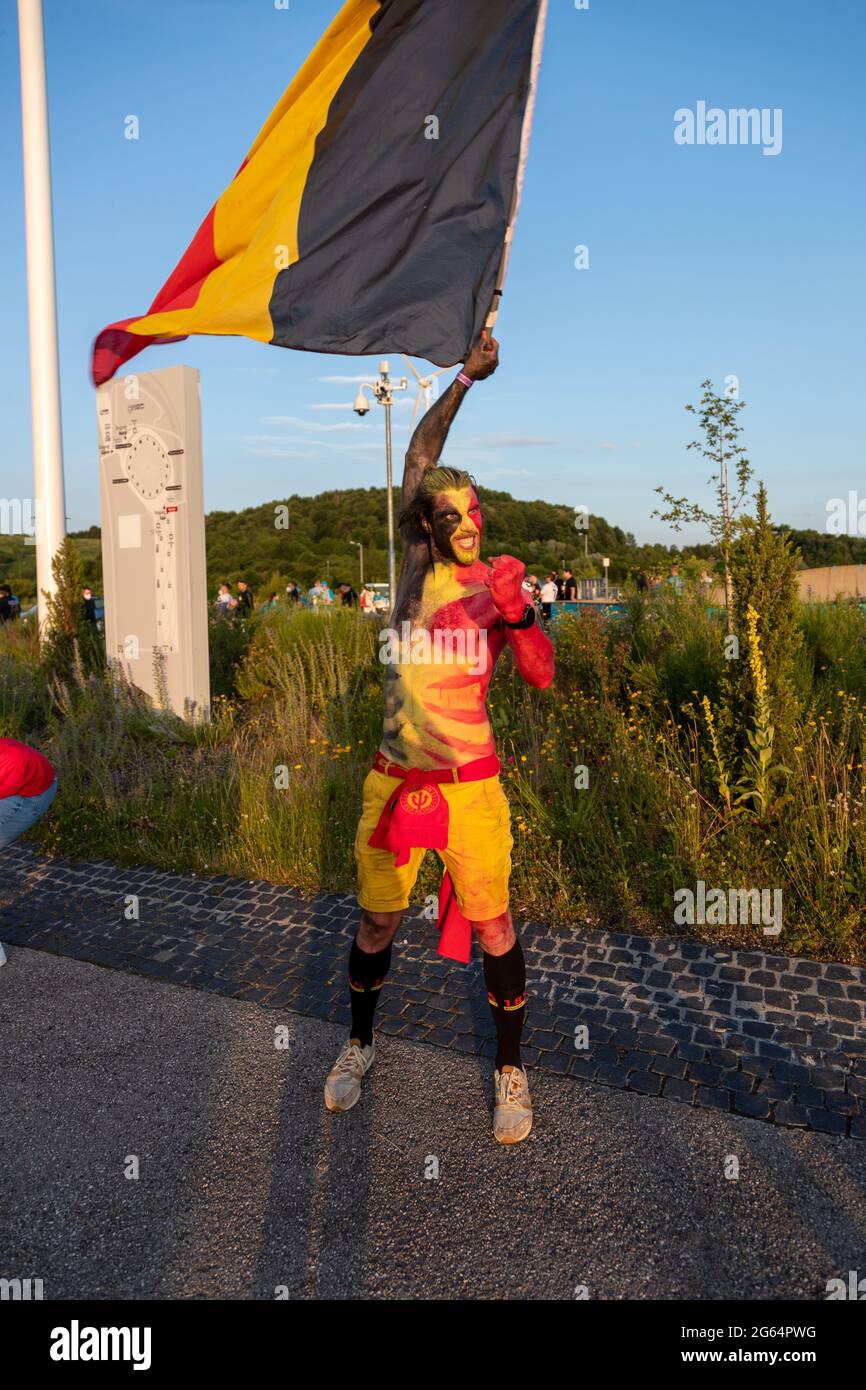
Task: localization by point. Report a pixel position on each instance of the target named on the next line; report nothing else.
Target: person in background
(89, 605)
(224, 603)
(569, 587)
(245, 600)
(270, 604)
(534, 586)
(28, 785)
(642, 582)
(548, 596)
(293, 593)
(366, 601)
(675, 580)
(706, 582)
(7, 604)
(317, 594)
(348, 596)
(559, 580)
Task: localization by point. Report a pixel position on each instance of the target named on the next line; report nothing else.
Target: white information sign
(153, 546)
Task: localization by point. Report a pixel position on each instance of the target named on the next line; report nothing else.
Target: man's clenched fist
(504, 579)
(483, 359)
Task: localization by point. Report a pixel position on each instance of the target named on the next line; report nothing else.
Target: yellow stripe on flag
(256, 218)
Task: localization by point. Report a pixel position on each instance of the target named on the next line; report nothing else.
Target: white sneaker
(343, 1086)
(512, 1112)
(2, 954)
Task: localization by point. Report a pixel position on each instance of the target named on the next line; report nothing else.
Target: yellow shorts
(478, 855)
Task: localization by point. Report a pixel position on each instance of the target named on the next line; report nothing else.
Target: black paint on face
(455, 517)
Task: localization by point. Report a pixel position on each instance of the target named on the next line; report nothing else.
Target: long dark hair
(438, 479)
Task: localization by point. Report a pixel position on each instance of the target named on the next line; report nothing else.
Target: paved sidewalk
(247, 1185)
(750, 1032)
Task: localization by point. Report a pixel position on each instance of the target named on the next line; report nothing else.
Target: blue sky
(704, 261)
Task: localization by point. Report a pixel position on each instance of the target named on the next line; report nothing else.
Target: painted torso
(435, 707)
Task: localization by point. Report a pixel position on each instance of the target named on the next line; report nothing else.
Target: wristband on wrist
(465, 380)
(526, 620)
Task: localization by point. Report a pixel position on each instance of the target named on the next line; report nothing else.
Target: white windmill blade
(425, 386)
(412, 368)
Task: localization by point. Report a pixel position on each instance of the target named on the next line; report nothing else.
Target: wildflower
(756, 659)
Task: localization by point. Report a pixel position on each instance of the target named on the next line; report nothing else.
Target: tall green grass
(271, 788)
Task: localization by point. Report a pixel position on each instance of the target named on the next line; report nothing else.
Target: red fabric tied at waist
(415, 816)
(455, 930)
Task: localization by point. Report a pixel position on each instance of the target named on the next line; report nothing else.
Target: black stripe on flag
(401, 236)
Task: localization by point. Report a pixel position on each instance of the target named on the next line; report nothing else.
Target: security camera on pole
(383, 390)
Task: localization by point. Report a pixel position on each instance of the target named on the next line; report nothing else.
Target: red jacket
(23, 771)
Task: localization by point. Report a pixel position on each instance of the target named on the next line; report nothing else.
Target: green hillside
(317, 543)
(320, 531)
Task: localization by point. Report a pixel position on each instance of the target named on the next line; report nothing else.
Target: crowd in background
(319, 595)
(555, 587)
(646, 583)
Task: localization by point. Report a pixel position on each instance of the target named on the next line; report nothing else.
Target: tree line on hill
(306, 538)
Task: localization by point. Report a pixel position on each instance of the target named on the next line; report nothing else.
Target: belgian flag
(375, 208)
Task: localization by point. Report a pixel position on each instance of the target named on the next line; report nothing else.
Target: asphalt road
(246, 1185)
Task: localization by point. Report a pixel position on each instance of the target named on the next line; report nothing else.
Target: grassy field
(271, 788)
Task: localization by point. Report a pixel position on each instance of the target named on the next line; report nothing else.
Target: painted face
(455, 524)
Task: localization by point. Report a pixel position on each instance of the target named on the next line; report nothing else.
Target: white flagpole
(50, 502)
(537, 50)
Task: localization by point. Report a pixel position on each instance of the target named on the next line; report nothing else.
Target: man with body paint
(434, 782)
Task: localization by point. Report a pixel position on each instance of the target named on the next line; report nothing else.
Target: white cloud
(505, 473)
(352, 380)
(283, 442)
(511, 441)
(285, 453)
(299, 424)
(347, 405)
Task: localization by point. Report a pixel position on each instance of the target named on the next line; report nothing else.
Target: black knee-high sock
(505, 977)
(366, 973)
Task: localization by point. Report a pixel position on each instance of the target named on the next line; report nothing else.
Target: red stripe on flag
(115, 345)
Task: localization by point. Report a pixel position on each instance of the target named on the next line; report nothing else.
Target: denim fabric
(18, 813)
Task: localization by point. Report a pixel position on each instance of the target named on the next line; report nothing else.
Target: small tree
(69, 637)
(718, 420)
(764, 568)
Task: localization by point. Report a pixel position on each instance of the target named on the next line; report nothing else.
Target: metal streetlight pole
(389, 486)
(383, 390)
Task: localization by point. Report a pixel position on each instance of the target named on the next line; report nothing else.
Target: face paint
(455, 524)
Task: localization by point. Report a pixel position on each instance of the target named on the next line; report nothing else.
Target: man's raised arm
(428, 441)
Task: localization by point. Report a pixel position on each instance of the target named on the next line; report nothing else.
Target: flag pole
(50, 503)
(535, 68)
